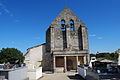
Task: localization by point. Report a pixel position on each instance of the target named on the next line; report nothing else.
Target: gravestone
(119, 57)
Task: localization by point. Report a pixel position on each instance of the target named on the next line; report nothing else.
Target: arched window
(63, 26)
(71, 25)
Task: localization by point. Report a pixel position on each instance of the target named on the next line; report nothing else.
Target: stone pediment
(66, 15)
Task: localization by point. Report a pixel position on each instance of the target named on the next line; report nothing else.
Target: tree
(117, 51)
(11, 55)
(92, 55)
(112, 56)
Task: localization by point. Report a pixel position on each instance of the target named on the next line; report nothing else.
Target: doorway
(71, 63)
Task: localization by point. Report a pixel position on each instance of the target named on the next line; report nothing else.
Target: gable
(66, 15)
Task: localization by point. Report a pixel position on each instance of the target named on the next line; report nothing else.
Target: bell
(71, 24)
(62, 25)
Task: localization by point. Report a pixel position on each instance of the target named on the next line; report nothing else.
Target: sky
(23, 22)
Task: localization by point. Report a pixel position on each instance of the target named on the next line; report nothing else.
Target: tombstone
(119, 58)
(93, 59)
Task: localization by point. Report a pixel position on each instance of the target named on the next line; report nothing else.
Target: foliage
(112, 56)
(11, 55)
(117, 51)
(92, 55)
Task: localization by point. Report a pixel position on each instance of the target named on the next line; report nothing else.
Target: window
(71, 25)
(63, 26)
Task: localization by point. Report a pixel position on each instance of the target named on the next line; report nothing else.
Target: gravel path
(61, 76)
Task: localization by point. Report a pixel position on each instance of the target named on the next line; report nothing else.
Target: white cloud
(12, 42)
(4, 9)
(92, 35)
(11, 15)
(99, 38)
(16, 20)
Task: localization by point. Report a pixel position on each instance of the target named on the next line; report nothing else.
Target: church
(66, 45)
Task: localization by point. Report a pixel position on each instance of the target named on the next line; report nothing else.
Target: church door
(69, 65)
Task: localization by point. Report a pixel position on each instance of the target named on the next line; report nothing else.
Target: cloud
(37, 38)
(16, 20)
(92, 35)
(99, 38)
(0, 13)
(95, 36)
(13, 42)
(4, 9)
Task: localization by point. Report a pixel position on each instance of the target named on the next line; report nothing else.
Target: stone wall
(14, 74)
(67, 40)
(58, 41)
(48, 40)
(35, 74)
(33, 58)
(47, 62)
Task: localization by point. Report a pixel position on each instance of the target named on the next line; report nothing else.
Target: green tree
(114, 56)
(11, 55)
(103, 55)
(92, 55)
(117, 51)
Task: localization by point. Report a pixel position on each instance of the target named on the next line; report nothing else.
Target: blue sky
(23, 22)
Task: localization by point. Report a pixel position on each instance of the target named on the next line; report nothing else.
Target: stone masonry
(66, 44)
(62, 41)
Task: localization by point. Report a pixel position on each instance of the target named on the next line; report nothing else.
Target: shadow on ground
(75, 77)
(48, 72)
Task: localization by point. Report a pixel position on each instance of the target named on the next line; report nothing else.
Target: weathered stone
(66, 37)
(65, 41)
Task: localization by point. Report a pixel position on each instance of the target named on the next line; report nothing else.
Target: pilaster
(84, 59)
(84, 37)
(65, 64)
(54, 65)
(68, 35)
(76, 62)
(52, 38)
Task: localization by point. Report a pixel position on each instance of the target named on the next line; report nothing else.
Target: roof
(104, 60)
(34, 47)
(99, 59)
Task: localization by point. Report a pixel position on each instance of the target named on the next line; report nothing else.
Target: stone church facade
(66, 44)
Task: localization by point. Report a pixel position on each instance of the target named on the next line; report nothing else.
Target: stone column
(76, 63)
(65, 69)
(77, 60)
(84, 59)
(88, 58)
(54, 63)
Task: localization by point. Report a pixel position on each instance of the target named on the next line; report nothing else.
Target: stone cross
(66, 3)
